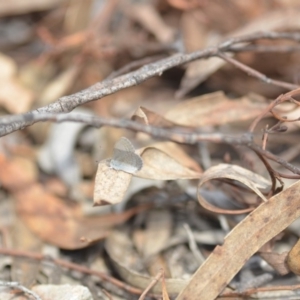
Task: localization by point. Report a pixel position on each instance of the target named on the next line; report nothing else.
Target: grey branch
(99, 90)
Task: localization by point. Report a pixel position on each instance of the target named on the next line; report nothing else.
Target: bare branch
(257, 74)
(107, 87)
(177, 134)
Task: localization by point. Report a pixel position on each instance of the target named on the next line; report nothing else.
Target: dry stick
(257, 74)
(70, 266)
(179, 134)
(152, 284)
(264, 48)
(18, 286)
(193, 245)
(261, 289)
(133, 65)
(105, 88)
(270, 35)
(102, 89)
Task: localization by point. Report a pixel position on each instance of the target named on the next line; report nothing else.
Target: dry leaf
(216, 109)
(17, 172)
(269, 21)
(252, 180)
(277, 261)
(61, 223)
(14, 7)
(148, 17)
(293, 258)
(59, 85)
(167, 161)
(110, 185)
(116, 247)
(260, 226)
(159, 226)
(171, 163)
(14, 97)
(149, 117)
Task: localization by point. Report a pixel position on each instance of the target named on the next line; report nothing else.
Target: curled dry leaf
(248, 178)
(162, 161)
(260, 226)
(115, 246)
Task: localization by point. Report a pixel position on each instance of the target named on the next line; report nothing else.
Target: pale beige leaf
(14, 97)
(110, 185)
(215, 109)
(167, 161)
(14, 7)
(259, 227)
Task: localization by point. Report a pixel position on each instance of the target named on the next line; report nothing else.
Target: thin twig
(257, 74)
(108, 87)
(70, 266)
(152, 284)
(193, 245)
(18, 286)
(177, 134)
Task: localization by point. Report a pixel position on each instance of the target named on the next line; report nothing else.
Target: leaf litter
(206, 193)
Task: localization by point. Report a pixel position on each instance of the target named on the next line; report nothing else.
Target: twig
(193, 245)
(70, 266)
(105, 88)
(178, 134)
(257, 74)
(152, 284)
(18, 286)
(269, 35)
(264, 48)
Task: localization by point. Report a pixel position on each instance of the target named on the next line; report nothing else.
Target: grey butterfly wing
(124, 144)
(124, 158)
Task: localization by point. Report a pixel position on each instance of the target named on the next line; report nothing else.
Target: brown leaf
(276, 260)
(60, 222)
(16, 172)
(215, 109)
(265, 222)
(293, 258)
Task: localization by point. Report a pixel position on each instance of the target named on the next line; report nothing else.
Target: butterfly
(124, 158)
